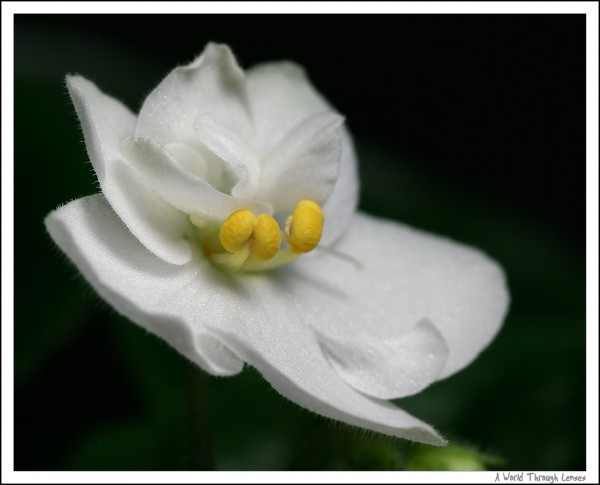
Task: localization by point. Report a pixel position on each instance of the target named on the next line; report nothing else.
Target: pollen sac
(236, 230)
(304, 227)
(266, 238)
(242, 230)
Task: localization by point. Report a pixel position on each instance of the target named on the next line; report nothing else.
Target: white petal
(183, 190)
(283, 348)
(205, 164)
(305, 165)
(106, 123)
(342, 203)
(389, 368)
(234, 151)
(282, 97)
(160, 227)
(190, 160)
(407, 276)
(212, 317)
(167, 300)
(212, 85)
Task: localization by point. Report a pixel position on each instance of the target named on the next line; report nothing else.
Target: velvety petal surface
(420, 308)
(106, 123)
(281, 98)
(305, 164)
(407, 275)
(397, 366)
(165, 299)
(211, 85)
(217, 319)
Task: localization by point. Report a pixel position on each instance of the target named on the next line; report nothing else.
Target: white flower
(161, 245)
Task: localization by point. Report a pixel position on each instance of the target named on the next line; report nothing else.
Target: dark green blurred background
(468, 126)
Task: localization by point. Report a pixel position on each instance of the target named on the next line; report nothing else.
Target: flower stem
(201, 455)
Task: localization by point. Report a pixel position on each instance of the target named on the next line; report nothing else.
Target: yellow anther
(304, 227)
(243, 231)
(266, 238)
(236, 230)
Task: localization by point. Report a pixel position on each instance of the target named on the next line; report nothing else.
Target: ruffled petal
(215, 319)
(288, 355)
(305, 165)
(212, 85)
(167, 300)
(281, 97)
(106, 123)
(389, 368)
(407, 275)
(185, 191)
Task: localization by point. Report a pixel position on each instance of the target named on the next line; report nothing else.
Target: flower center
(247, 242)
(259, 236)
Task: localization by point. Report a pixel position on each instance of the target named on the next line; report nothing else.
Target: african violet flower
(227, 226)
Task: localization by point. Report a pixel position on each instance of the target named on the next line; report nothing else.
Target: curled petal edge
(88, 232)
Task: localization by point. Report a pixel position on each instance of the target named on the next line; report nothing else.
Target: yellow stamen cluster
(243, 230)
(254, 241)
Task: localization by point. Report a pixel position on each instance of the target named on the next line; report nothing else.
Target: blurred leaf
(450, 458)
